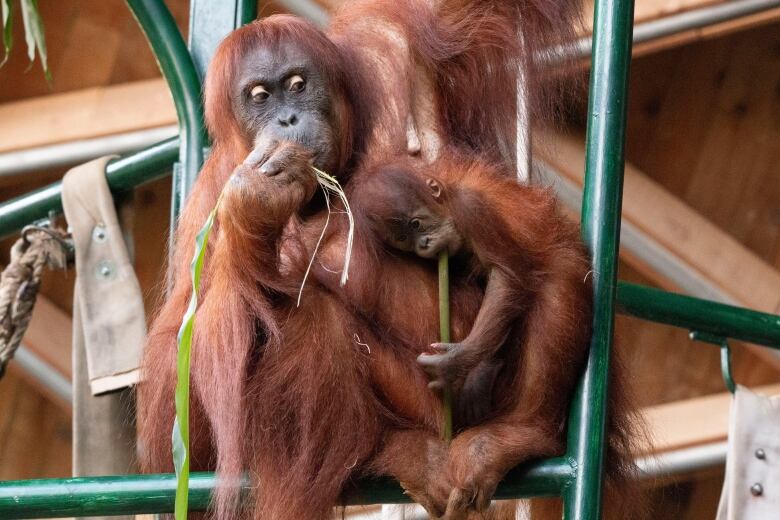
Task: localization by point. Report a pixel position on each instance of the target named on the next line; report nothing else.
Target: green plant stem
(444, 337)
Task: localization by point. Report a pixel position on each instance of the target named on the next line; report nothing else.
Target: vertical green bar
(179, 70)
(211, 21)
(601, 206)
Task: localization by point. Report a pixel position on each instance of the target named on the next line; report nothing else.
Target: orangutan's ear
(434, 186)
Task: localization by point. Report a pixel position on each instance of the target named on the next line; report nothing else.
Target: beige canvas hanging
(751, 488)
(107, 296)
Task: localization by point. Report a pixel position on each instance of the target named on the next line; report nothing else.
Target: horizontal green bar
(699, 315)
(123, 174)
(146, 494)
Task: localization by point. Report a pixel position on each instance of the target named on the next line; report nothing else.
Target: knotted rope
(39, 247)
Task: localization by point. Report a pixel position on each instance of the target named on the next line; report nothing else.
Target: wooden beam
(49, 336)
(683, 232)
(692, 422)
(102, 111)
(652, 10)
(707, 33)
(85, 114)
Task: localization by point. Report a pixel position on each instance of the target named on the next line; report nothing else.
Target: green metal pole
(122, 174)
(176, 65)
(690, 313)
(147, 494)
(211, 21)
(601, 232)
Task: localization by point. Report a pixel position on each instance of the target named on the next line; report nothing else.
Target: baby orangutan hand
(449, 364)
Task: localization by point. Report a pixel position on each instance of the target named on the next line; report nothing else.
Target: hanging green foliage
(33, 32)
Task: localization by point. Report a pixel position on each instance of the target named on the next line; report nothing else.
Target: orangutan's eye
(297, 84)
(259, 93)
(414, 224)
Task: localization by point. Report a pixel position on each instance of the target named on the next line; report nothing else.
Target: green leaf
(27, 8)
(33, 34)
(8, 41)
(181, 425)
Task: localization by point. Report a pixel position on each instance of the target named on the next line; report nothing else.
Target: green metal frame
(179, 70)
(601, 206)
(578, 475)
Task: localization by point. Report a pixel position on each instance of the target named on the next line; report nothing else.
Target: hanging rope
(39, 247)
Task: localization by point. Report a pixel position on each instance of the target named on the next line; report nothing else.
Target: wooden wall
(704, 122)
(35, 434)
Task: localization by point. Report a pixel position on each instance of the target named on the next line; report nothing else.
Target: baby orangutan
(429, 209)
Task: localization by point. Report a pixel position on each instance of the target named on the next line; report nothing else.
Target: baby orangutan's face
(424, 230)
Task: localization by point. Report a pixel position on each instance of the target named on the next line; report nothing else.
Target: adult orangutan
(305, 398)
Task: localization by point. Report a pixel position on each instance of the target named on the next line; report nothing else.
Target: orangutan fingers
(430, 361)
(444, 348)
(288, 158)
(459, 504)
(484, 495)
(260, 153)
(436, 385)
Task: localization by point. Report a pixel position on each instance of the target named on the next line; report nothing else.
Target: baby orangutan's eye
(414, 223)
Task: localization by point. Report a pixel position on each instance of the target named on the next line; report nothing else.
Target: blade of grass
(329, 185)
(316, 247)
(181, 425)
(444, 335)
(6, 9)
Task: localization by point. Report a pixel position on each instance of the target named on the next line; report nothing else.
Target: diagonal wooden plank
(683, 232)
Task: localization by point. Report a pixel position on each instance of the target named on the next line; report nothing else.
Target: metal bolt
(105, 270)
(99, 234)
(756, 490)
(760, 454)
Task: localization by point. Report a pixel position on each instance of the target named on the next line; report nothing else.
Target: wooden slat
(49, 335)
(685, 233)
(85, 114)
(651, 10)
(707, 33)
(144, 104)
(34, 433)
(692, 422)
